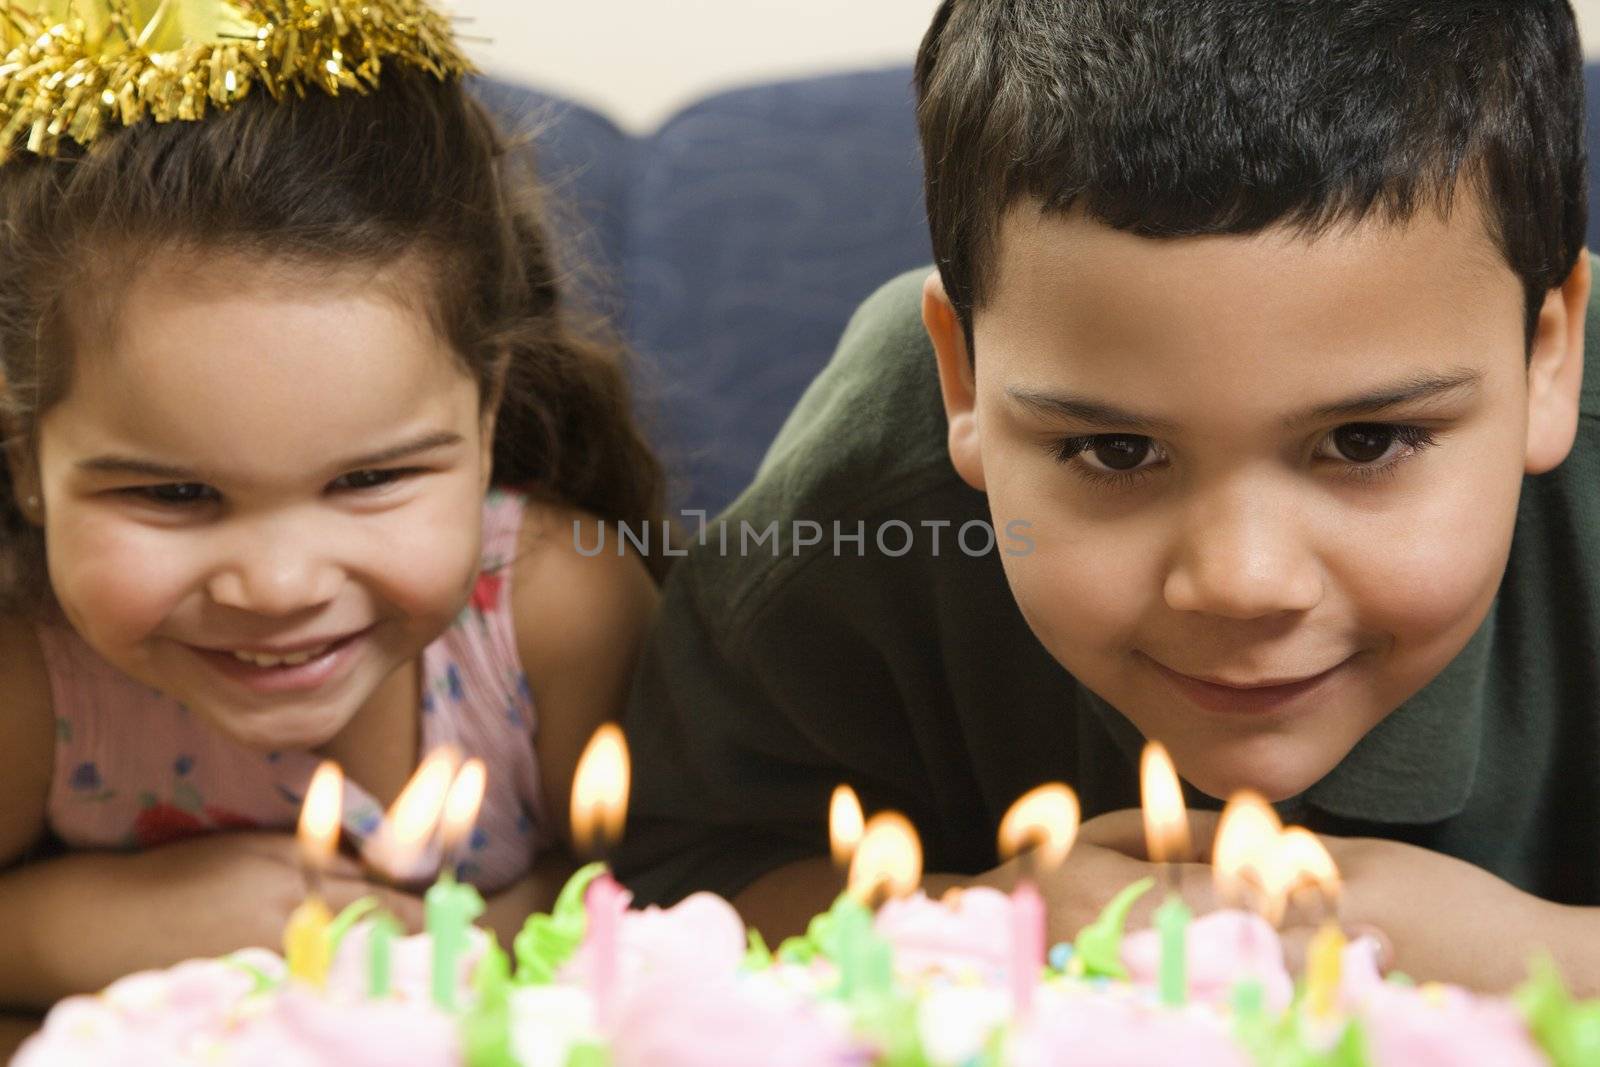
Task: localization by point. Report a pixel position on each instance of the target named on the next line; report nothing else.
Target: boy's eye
(1368, 442)
(1120, 452)
(1107, 455)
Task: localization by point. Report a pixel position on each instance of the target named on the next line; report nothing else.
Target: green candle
(851, 932)
(449, 908)
(1172, 922)
(1248, 999)
(384, 929)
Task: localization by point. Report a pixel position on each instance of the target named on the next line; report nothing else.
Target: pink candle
(603, 906)
(1027, 944)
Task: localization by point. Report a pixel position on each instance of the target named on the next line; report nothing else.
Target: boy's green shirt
(769, 680)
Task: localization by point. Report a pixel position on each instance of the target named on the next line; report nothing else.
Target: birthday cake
(921, 983)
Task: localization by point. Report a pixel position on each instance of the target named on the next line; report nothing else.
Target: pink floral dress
(135, 768)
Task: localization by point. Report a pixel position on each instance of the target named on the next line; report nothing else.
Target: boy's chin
(1276, 775)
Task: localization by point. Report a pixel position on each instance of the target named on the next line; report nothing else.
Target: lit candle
(1172, 923)
(1166, 828)
(308, 950)
(1303, 853)
(384, 929)
(1247, 834)
(401, 847)
(599, 813)
(450, 906)
(846, 824)
(1242, 865)
(1039, 828)
(887, 863)
(1324, 962)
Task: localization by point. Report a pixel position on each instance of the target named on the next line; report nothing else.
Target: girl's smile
(295, 667)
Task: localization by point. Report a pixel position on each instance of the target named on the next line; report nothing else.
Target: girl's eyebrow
(114, 464)
(1423, 386)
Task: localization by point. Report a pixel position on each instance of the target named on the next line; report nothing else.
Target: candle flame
(1247, 837)
(889, 858)
(319, 815)
(414, 814)
(600, 790)
(1045, 819)
(1307, 861)
(462, 803)
(845, 825)
(1255, 850)
(1166, 824)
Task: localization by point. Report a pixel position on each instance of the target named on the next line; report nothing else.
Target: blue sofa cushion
(731, 245)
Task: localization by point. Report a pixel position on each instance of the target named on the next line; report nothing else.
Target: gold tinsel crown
(70, 67)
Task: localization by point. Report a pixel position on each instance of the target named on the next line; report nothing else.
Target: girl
(297, 426)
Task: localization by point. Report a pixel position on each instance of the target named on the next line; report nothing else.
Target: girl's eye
(372, 479)
(1108, 458)
(1375, 449)
(177, 494)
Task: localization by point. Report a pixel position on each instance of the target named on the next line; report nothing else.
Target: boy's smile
(1272, 480)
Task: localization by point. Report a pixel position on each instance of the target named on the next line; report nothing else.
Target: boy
(1233, 418)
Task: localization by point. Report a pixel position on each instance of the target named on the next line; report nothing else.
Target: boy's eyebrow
(113, 464)
(1373, 402)
(1417, 387)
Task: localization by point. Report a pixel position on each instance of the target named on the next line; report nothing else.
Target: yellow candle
(307, 948)
(306, 944)
(1324, 961)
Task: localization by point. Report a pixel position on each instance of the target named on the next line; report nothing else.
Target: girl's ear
(20, 465)
(1555, 371)
(489, 413)
(956, 382)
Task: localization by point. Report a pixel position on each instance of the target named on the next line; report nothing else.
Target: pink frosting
(1224, 948)
(348, 1033)
(1433, 1025)
(1116, 1031)
(142, 1018)
(723, 1021)
(698, 938)
(969, 933)
(180, 1015)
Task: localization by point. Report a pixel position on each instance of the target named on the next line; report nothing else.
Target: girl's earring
(33, 503)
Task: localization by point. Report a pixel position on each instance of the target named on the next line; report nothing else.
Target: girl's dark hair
(1171, 118)
(413, 169)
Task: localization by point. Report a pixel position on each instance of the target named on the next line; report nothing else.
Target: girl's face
(262, 492)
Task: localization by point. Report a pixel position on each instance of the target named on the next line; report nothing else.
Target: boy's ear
(956, 381)
(1555, 371)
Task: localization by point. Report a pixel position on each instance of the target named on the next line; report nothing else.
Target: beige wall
(639, 60)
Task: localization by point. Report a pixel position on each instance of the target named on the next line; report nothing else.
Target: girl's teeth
(293, 659)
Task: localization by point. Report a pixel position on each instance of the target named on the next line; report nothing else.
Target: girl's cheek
(117, 588)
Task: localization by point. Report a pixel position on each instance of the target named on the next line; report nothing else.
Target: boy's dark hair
(415, 168)
(1170, 118)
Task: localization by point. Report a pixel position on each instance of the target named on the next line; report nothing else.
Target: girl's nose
(1244, 557)
(275, 582)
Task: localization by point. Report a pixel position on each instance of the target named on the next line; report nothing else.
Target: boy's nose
(275, 582)
(1244, 560)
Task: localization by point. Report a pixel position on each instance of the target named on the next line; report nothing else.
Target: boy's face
(1233, 547)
